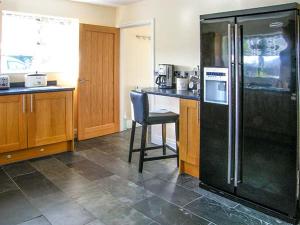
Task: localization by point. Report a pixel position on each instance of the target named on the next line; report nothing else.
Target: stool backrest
(140, 104)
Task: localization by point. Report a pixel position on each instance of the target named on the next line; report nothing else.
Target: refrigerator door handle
(229, 106)
(237, 102)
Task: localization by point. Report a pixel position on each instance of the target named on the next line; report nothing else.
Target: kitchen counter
(172, 93)
(25, 90)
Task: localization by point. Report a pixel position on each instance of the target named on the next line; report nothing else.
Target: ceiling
(108, 2)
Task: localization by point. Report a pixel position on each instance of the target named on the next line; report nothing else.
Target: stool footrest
(148, 148)
(171, 149)
(160, 157)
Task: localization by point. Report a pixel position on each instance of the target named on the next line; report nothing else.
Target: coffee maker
(165, 79)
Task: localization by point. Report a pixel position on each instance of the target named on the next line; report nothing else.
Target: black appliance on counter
(250, 107)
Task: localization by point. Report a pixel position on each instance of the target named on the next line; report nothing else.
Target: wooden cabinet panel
(50, 118)
(189, 138)
(13, 135)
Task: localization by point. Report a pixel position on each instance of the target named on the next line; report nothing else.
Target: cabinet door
(189, 137)
(13, 134)
(50, 118)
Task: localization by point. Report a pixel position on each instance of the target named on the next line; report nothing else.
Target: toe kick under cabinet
(35, 125)
(189, 137)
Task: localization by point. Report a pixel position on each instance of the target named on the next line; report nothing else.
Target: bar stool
(142, 116)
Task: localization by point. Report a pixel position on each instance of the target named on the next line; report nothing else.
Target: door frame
(133, 24)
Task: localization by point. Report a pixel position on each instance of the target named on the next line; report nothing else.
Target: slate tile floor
(96, 186)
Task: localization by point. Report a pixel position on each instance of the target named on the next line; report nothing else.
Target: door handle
(82, 80)
(23, 103)
(237, 106)
(229, 106)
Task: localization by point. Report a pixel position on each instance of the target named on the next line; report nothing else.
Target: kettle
(161, 81)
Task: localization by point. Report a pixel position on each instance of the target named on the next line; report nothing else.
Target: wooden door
(13, 131)
(50, 118)
(98, 87)
(189, 137)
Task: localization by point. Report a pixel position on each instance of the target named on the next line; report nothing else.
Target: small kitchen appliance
(4, 82)
(35, 80)
(166, 78)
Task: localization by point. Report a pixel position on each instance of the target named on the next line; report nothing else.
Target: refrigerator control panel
(216, 85)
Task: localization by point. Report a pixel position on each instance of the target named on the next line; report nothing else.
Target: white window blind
(38, 43)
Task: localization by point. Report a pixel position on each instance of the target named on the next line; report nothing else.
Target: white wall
(136, 59)
(86, 13)
(177, 31)
(177, 24)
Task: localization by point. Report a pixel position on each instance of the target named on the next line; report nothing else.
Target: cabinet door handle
(23, 103)
(31, 103)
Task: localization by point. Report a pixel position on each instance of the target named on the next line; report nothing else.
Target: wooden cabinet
(49, 118)
(13, 131)
(189, 137)
(34, 125)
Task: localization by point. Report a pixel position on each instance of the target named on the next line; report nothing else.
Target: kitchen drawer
(36, 152)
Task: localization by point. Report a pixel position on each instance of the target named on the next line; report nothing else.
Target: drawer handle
(8, 156)
(42, 150)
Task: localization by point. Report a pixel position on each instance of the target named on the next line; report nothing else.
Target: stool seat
(160, 118)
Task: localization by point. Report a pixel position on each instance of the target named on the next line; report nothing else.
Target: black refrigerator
(250, 107)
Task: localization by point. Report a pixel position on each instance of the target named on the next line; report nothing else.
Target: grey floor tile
(48, 164)
(68, 213)
(96, 222)
(65, 178)
(215, 197)
(260, 215)
(18, 169)
(15, 208)
(50, 200)
(110, 210)
(77, 191)
(71, 183)
(81, 146)
(69, 157)
(220, 214)
(166, 213)
(90, 170)
(180, 179)
(35, 185)
(116, 166)
(124, 190)
(170, 191)
(41, 220)
(6, 183)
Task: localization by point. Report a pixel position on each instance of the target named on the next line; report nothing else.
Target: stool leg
(143, 145)
(131, 141)
(163, 131)
(177, 140)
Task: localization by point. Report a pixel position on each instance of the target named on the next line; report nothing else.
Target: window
(38, 43)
